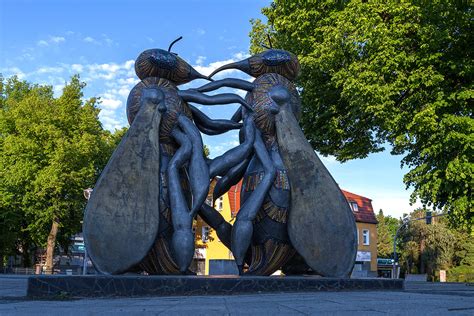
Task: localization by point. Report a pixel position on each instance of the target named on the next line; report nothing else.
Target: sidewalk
(417, 299)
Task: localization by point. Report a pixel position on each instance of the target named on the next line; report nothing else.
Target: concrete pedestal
(134, 286)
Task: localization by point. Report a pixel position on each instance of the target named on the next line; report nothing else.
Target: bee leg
(223, 98)
(212, 127)
(220, 165)
(229, 83)
(183, 237)
(237, 117)
(197, 168)
(231, 178)
(214, 219)
(243, 228)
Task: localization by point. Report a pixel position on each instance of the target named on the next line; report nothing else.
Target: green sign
(382, 261)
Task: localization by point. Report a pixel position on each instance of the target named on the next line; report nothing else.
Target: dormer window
(354, 206)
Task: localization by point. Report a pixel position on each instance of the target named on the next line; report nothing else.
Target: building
(213, 258)
(366, 260)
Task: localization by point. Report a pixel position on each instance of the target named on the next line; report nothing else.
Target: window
(354, 206)
(220, 204)
(366, 237)
(205, 233)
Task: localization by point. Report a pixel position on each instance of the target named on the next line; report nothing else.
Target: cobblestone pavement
(417, 299)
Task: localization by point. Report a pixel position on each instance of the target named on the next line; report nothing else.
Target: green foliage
(464, 259)
(387, 71)
(51, 149)
(386, 228)
(429, 248)
(207, 152)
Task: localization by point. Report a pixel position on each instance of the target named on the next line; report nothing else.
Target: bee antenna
(269, 41)
(264, 46)
(172, 43)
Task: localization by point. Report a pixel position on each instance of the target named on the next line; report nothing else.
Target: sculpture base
(133, 286)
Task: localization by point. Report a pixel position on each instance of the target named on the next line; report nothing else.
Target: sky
(47, 42)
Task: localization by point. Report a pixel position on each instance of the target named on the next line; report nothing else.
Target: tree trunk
(422, 264)
(50, 247)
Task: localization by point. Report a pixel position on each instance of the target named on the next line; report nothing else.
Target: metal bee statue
(140, 214)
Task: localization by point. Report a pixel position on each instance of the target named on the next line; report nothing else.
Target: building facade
(366, 222)
(212, 257)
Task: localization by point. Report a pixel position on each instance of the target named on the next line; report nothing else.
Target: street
(419, 298)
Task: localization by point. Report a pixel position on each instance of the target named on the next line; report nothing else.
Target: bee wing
(321, 225)
(122, 216)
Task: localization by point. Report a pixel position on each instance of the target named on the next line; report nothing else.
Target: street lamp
(87, 194)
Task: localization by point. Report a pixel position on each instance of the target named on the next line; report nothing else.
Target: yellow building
(214, 257)
(366, 260)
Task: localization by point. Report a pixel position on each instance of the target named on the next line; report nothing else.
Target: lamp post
(87, 194)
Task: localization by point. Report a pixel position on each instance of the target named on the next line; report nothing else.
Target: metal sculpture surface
(158, 172)
(140, 214)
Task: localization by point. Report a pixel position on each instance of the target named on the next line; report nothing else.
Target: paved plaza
(417, 299)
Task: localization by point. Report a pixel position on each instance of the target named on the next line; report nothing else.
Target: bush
(463, 273)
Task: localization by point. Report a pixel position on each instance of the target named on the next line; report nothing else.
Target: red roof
(365, 213)
(234, 198)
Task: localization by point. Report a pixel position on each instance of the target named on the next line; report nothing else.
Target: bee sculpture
(140, 213)
(290, 203)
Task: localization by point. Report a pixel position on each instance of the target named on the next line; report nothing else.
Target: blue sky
(49, 41)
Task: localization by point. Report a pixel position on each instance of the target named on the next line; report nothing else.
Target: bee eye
(280, 95)
(274, 57)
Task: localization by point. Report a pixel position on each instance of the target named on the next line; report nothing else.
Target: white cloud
(57, 39)
(110, 102)
(77, 67)
(107, 40)
(109, 122)
(129, 64)
(58, 89)
(207, 70)
(222, 147)
(26, 56)
(51, 40)
(109, 71)
(89, 39)
(13, 71)
(45, 70)
(200, 31)
(200, 60)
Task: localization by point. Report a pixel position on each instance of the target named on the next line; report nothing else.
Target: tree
(386, 228)
(377, 72)
(427, 248)
(463, 260)
(51, 149)
(207, 152)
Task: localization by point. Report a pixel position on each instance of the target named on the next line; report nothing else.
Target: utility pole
(87, 194)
